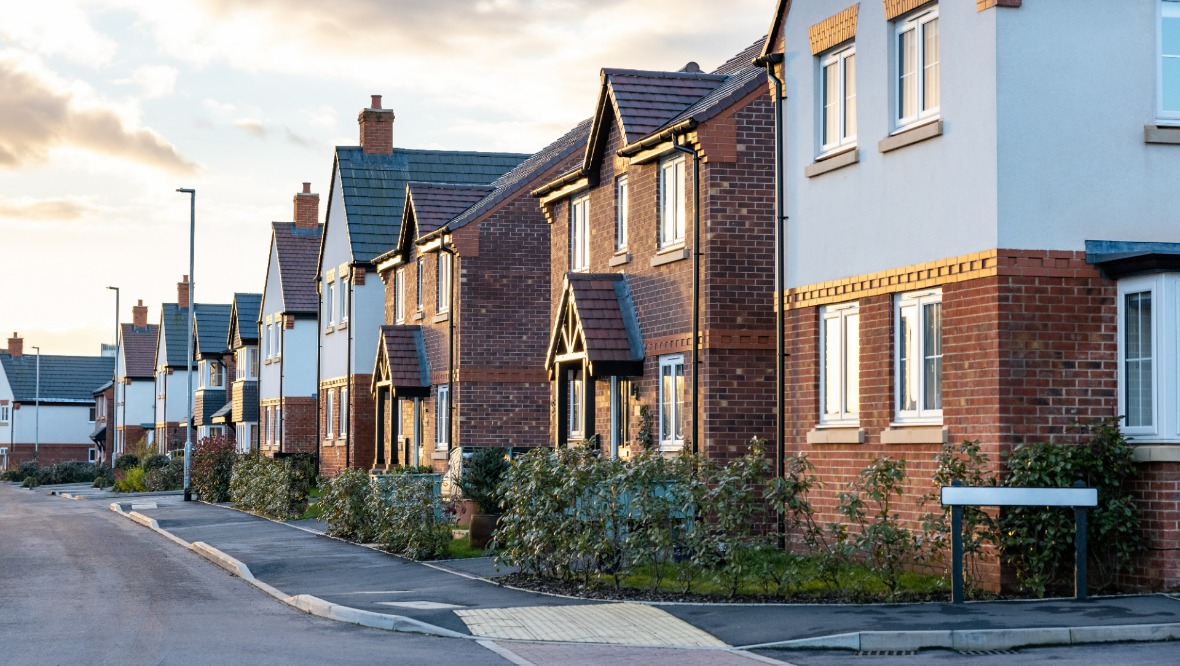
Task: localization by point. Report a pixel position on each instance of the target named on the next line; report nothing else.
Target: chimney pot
(16, 345)
(376, 128)
(307, 208)
(182, 288)
(139, 315)
(306, 188)
(376, 102)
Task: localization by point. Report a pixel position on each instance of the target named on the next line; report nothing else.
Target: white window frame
(269, 413)
(1165, 356)
(421, 277)
(671, 441)
(622, 210)
(579, 230)
(442, 420)
(846, 318)
(918, 23)
(672, 202)
(330, 301)
(343, 298)
(6, 413)
(399, 296)
(91, 455)
(576, 395)
(278, 423)
(922, 414)
(343, 409)
(330, 413)
(267, 328)
(1166, 9)
(215, 374)
(844, 135)
(442, 282)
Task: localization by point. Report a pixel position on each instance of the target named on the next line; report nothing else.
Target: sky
(108, 106)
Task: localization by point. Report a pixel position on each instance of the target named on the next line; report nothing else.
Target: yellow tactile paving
(615, 624)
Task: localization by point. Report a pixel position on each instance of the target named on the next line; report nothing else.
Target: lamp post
(114, 381)
(192, 278)
(37, 409)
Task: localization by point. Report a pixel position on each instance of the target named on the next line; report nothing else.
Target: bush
(1039, 542)
(273, 488)
(887, 546)
(169, 476)
(965, 463)
(211, 467)
(30, 482)
(412, 521)
(347, 507)
(132, 482)
(482, 477)
(153, 461)
(126, 461)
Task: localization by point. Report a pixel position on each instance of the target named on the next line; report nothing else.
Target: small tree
(482, 478)
(211, 468)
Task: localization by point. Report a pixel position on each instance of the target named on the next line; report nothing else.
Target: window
(1148, 348)
(329, 412)
(344, 411)
(672, 201)
(343, 298)
(92, 411)
(266, 333)
(917, 68)
(1169, 63)
(329, 302)
(840, 369)
(399, 296)
(622, 201)
(443, 282)
(577, 404)
(838, 97)
(5, 413)
(278, 425)
(91, 455)
(269, 415)
(247, 358)
(214, 374)
(671, 402)
(278, 341)
(442, 437)
(580, 233)
(919, 356)
(421, 270)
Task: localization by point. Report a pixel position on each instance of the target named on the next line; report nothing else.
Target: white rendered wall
(6, 431)
(60, 424)
(336, 251)
(272, 304)
(138, 398)
(925, 201)
(299, 357)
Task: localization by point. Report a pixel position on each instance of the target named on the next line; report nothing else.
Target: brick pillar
(376, 128)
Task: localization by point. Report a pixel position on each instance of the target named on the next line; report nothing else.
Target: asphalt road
(81, 585)
(1139, 654)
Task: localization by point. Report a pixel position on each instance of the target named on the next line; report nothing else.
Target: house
(134, 417)
(104, 417)
(288, 316)
(364, 212)
(215, 364)
(982, 235)
(47, 406)
(171, 386)
(459, 361)
(242, 339)
(661, 236)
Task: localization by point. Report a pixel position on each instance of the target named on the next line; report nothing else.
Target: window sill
(1161, 134)
(836, 435)
(669, 256)
(619, 259)
(266, 361)
(442, 316)
(910, 135)
(343, 324)
(1149, 453)
(900, 433)
(329, 329)
(440, 454)
(830, 162)
(418, 316)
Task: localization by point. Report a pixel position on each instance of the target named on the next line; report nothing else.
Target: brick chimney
(139, 315)
(182, 292)
(16, 345)
(307, 208)
(376, 128)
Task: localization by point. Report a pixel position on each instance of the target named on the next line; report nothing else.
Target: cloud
(39, 112)
(252, 127)
(56, 28)
(62, 210)
(154, 80)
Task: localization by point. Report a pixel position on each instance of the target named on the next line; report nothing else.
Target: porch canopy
(402, 366)
(596, 325)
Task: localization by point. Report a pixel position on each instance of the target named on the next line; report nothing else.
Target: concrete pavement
(360, 582)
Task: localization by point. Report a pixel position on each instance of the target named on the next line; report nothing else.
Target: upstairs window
(421, 271)
(399, 296)
(838, 97)
(1169, 62)
(343, 299)
(329, 301)
(919, 357)
(214, 374)
(917, 68)
(443, 282)
(580, 233)
(672, 201)
(622, 200)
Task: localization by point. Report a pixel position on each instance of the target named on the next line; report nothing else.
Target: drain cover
(886, 653)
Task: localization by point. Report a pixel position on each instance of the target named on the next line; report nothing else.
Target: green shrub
(1039, 542)
(482, 476)
(127, 461)
(967, 464)
(169, 476)
(153, 461)
(347, 507)
(211, 467)
(132, 482)
(274, 488)
(413, 520)
(30, 482)
(887, 546)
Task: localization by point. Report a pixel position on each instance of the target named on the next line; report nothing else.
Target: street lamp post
(37, 409)
(192, 279)
(114, 383)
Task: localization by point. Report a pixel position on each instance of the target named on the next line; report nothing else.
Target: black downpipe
(780, 241)
(696, 287)
(348, 375)
(319, 360)
(282, 374)
(452, 307)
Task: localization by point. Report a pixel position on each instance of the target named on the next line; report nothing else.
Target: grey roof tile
(211, 329)
(64, 379)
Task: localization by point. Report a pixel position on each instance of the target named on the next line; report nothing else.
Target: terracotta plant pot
(483, 526)
(467, 508)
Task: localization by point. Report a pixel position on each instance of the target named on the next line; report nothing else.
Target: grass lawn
(313, 508)
(461, 549)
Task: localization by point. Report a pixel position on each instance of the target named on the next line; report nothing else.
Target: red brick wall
(357, 448)
(298, 421)
(1157, 492)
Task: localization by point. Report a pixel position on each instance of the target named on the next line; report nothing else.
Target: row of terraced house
(969, 212)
